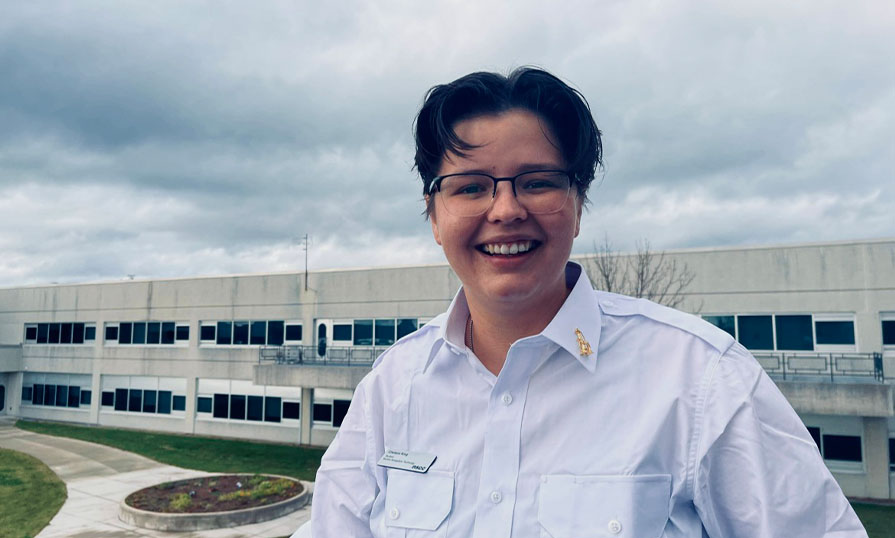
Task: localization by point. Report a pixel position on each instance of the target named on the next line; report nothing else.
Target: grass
(191, 452)
(879, 520)
(30, 494)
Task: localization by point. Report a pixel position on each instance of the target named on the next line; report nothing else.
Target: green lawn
(30, 494)
(879, 520)
(191, 452)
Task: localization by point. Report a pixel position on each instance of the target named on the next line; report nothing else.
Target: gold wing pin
(583, 346)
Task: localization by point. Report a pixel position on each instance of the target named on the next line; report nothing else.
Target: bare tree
(646, 273)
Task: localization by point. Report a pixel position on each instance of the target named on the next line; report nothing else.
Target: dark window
(139, 336)
(120, 399)
(124, 333)
(77, 333)
(323, 412)
(272, 408)
(43, 330)
(238, 406)
(153, 332)
(30, 333)
(206, 333)
(725, 323)
(892, 454)
(149, 397)
(179, 403)
(293, 333)
(89, 333)
(259, 333)
(54, 334)
(755, 332)
(183, 333)
(168, 332)
(292, 410)
(815, 434)
(385, 332)
(888, 333)
(203, 404)
(794, 333)
(111, 333)
(85, 397)
(49, 394)
(363, 332)
(220, 405)
(38, 397)
(108, 398)
(74, 396)
(240, 333)
(340, 408)
(65, 333)
(61, 395)
(834, 332)
(225, 333)
(842, 447)
(164, 402)
(255, 409)
(405, 327)
(135, 400)
(275, 333)
(26, 393)
(342, 331)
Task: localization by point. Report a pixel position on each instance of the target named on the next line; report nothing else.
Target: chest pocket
(417, 504)
(634, 506)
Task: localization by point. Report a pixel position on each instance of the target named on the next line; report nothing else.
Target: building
(276, 356)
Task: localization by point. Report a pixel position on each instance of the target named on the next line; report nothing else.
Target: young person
(552, 409)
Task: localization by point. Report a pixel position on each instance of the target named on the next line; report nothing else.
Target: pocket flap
(635, 506)
(418, 500)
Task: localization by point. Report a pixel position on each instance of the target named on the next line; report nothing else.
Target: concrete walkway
(98, 478)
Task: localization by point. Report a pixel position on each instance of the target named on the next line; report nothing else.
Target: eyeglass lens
(469, 195)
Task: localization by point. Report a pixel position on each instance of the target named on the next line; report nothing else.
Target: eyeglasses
(470, 195)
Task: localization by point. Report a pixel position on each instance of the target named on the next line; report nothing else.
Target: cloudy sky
(190, 138)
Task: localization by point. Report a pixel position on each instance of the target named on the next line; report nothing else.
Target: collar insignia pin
(583, 347)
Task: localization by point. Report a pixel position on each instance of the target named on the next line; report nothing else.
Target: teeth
(507, 248)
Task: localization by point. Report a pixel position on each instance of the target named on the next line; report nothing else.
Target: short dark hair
(563, 108)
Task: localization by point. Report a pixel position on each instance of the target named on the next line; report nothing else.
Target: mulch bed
(200, 495)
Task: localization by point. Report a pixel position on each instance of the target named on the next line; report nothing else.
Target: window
(61, 395)
(240, 333)
(74, 396)
(794, 332)
(207, 333)
(149, 397)
(139, 335)
(135, 400)
(340, 409)
(120, 399)
(65, 330)
(179, 403)
(385, 332)
(153, 332)
(168, 332)
(220, 406)
(258, 336)
(292, 410)
(834, 332)
(725, 323)
(124, 333)
(203, 404)
(26, 394)
(77, 335)
(164, 402)
(43, 331)
(405, 327)
(31, 333)
(892, 454)
(108, 398)
(363, 332)
(54, 334)
(85, 397)
(255, 408)
(49, 394)
(237, 406)
(89, 333)
(888, 332)
(272, 407)
(183, 333)
(323, 412)
(842, 447)
(293, 332)
(276, 333)
(111, 333)
(756, 332)
(225, 333)
(342, 332)
(37, 398)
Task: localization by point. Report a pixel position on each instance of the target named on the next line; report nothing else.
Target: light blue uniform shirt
(668, 429)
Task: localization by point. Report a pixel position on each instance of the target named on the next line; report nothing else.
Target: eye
(469, 186)
(535, 182)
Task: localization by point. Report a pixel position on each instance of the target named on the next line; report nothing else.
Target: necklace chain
(469, 342)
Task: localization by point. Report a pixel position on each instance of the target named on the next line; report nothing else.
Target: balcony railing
(311, 356)
(828, 367)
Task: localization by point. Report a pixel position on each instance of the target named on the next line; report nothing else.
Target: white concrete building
(262, 357)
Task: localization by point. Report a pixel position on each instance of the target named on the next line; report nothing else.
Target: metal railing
(830, 367)
(311, 356)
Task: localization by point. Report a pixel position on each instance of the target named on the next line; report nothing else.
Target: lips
(510, 248)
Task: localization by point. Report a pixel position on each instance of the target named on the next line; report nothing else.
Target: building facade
(277, 356)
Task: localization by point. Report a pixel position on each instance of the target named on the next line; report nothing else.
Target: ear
(433, 222)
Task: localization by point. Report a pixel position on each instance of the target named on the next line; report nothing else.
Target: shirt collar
(580, 311)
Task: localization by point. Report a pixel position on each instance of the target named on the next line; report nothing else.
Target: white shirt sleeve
(346, 486)
(757, 472)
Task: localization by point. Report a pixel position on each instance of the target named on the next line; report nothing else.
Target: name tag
(416, 462)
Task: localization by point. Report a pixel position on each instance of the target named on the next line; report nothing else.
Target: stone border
(162, 521)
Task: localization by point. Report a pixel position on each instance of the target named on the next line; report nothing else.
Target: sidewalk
(98, 478)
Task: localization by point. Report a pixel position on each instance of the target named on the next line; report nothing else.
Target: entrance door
(324, 336)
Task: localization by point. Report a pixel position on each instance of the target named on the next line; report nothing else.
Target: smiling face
(530, 275)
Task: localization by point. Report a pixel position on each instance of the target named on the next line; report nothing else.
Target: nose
(505, 207)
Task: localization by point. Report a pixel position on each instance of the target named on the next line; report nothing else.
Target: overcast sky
(192, 138)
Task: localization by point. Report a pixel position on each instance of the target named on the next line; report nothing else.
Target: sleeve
(757, 472)
(346, 485)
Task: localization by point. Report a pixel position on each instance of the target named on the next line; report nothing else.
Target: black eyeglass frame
(436, 181)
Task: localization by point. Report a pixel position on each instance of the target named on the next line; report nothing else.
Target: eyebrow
(521, 169)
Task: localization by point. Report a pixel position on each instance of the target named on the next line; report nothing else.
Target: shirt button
(394, 514)
(507, 399)
(615, 527)
(496, 497)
